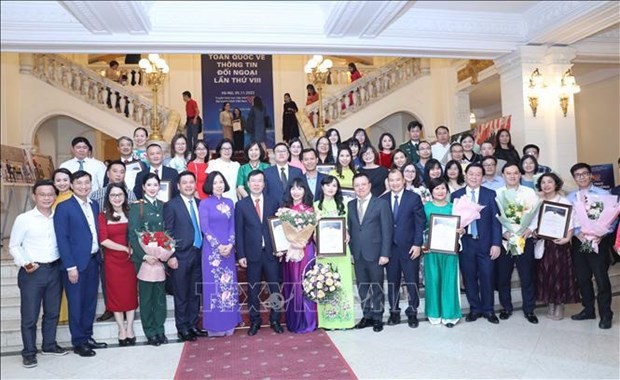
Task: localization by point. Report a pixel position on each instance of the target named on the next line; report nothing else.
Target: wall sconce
(568, 87)
(535, 89)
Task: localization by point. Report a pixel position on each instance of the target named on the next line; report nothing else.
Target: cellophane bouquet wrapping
(160, 245)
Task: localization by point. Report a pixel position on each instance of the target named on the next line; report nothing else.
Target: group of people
(89, 223)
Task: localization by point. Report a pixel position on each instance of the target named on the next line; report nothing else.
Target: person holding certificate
(441, 270)
(339, 314)
(556, 282)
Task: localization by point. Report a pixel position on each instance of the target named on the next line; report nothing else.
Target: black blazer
(250, 232)
(409, 223)
(373, 238)
(317, 191)
(167, 174)
(273, 184)
(178, 222)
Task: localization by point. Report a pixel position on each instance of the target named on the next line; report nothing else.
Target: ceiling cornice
(110, 17)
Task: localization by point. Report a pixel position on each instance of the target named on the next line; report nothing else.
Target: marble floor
(514, 349)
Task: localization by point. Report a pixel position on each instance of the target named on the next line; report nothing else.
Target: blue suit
(187, 277)
(317, 191)
(167, 174)
(474, 259)
(75, 242)
(273, 184)
(250, 234)
(408, 224)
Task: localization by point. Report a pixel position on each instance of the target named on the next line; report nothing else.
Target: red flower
(146, 238)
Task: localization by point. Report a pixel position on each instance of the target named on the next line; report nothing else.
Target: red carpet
(266, 355)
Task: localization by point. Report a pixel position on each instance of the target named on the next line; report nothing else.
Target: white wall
(10, 99)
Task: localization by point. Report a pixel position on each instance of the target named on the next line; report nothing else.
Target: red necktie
(257, 207)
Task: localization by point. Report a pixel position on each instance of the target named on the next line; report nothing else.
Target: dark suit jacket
(317, 191)
(178, 223)
(73, 234)
(273, 184)
(373, 238)
(167, 174)
(410, 221)
(249, 231)
(411, 153)
(489, 228)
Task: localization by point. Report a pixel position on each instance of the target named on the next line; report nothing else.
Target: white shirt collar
(80, 201)
(400, 194)
(186, 199)
(254, 198)
(280, 167)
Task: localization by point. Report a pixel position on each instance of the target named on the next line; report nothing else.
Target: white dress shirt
(92, 166)
(441, 152)
(400, 198)
(90, 218)
(193, 204)
(229, 170)
(261, 204)
(33, 238)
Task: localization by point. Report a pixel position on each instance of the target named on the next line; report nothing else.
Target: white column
(549, 129)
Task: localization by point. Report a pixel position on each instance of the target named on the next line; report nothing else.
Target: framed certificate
(164, 191)
(278, 238)
(236, 124)
(330, 236)
(553, 220)
(325, 168)
(133, 167)
(348, 194)
(442, 235)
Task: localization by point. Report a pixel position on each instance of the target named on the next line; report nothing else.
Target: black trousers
(43, 286)
(525, 263)
(370, 277)
(192, 130)
(271, 270)
(186, 280)
(589, 264)
(399, 267)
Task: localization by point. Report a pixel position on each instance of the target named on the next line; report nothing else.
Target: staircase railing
(368, 89)
(103, 93)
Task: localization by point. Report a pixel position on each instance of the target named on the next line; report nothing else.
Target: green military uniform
(145, 215)
(412, 152)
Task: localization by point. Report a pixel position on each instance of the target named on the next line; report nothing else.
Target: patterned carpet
(266, 355)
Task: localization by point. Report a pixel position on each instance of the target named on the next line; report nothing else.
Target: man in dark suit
(255, 250)
(280, 175)
(409, 220)
(369, 223)
(310, 158)
(76, 226)
(411, 147)
(155, 156)
(181, 221)
(481, 246)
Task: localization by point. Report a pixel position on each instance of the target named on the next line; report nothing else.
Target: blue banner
(237, 79)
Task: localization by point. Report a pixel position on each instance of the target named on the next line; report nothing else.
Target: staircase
(399, 75)
(126, 105)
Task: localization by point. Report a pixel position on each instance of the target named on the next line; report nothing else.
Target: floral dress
(219, 273)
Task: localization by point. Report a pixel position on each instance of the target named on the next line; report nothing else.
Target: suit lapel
(80, 212)
(369, 207)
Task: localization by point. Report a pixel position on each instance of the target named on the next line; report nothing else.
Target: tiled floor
(512, 349)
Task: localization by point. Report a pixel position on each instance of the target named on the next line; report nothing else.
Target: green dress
(338, 313)
(441, 273)
(244, 170)
(145, 215)
(346, 180)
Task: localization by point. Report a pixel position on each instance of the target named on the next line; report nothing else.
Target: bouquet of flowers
(516, 214)
(321, 283)
(159, 245)
(298, 227)
(595, 214)
(467, 210)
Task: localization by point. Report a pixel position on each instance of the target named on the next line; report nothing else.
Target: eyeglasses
(582, 175)
(120, 195)
(226, 148)
(488, 165)
(409, 171)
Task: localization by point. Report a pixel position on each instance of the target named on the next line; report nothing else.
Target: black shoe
(277, 327)
(105, 316)
(450, 325)
(605, 323)
(363, 323)
(504, 314)
(531, 318)
(394, 319)
(153, 341)
(131, 341)
(123, 342)
(472, 317)
(412, 321)
(57, 351)
(198, 332)
(254, 329)
(491, 317)
(29, 361)
(377, 326)
(582, 316)
(186, 336)
(162, 338)
(94, 344)
(84, 350)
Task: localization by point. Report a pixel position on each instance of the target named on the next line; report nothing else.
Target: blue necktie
(197, 234)
(81, 164)
(395, 208)
(473, 227)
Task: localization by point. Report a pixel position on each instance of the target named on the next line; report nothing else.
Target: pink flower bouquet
(595, 214)
(158, 245)
(467, 210)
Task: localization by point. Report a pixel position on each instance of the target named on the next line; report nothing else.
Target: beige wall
(10, 99)
(597, 113)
